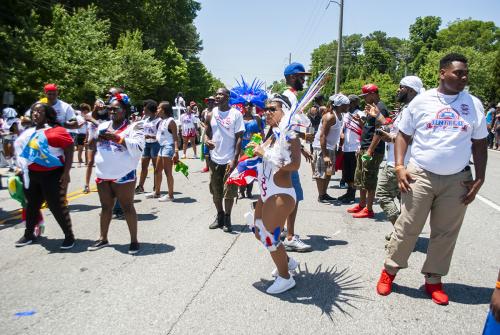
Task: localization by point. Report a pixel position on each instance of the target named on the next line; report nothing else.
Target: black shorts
(349, 167)
(80, 139)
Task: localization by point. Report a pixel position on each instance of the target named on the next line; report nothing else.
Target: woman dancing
(280, 157)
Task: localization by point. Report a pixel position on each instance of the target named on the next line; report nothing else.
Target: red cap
(50, 87)
(368, 88)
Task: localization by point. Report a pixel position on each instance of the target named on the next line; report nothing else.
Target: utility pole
(289, 58)
(339, 43)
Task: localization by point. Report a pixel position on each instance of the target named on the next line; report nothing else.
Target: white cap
(414, 83)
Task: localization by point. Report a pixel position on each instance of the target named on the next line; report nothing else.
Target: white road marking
(488, 202)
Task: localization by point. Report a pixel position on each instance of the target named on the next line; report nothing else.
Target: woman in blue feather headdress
(247, 98)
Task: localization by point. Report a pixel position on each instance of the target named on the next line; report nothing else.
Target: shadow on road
(52, 245)
(82, 208)
(322, 243)
(458, 293)
(146, 248)
(330, 290)
(146, 217)
(185, 200)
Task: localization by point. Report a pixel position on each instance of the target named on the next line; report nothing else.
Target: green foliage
(480, 35)
(423, 33)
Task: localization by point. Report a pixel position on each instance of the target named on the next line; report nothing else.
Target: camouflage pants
(387, 191)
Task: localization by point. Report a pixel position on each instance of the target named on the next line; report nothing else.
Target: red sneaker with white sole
(355, 209)
(205, 169)
(437, 293)
(364, 213)
(384, 285)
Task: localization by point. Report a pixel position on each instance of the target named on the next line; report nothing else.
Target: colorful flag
(245, 172)
(37, 151)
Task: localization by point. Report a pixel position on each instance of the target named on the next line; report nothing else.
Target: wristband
(498, 285)
(399, 167)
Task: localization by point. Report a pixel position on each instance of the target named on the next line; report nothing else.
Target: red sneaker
(355, 209)
(364, 213)
(437, 293)
(384, 285)
(205, 169)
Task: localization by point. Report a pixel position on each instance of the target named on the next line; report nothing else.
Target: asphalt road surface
(188, 279)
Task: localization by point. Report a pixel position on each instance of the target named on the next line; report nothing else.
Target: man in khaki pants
(447, 125)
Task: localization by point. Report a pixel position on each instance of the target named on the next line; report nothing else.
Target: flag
(37, 151)
(245, 172)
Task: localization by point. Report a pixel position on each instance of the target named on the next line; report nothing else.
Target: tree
(137, 70)
(201, 82)
(423, 33)
(176, 73)
(480, 35)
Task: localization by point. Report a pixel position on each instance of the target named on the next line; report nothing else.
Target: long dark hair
(50, 114)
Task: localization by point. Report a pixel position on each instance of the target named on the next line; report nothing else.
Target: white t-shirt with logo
(225, 126)
(352, 131)
(389, 152)
(151, 128)
(442, 127)
(188, 124)
(64, 111)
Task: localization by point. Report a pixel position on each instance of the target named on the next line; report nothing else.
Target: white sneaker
(165, 198)
(151, 195)
(292, 267)
(296, 244)
(281, 285)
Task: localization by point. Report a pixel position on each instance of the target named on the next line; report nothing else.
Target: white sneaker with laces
(165, 198)
(292, 267)
(151, 195)
(281, 285)
(296, 244)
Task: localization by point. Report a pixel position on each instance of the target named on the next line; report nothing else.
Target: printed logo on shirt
(448, 119)
(465, 109)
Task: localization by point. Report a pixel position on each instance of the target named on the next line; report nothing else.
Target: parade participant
(447, 125)
(210, 101)
(9, 130)
(224, 128)
(387, 186)
(79, 134)
(119, 149)
(325, 143)
(492, 325)
(65, 113)
(45, 154)
(295, 77)
(280, 156)
(371, 153)
(490, 115)
(351, 135)
(179, 102)
(169, 151)
(99, 114)
(188, 127)
(496, 128)
(152, 147)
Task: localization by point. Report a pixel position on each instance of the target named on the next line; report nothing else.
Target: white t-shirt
(163, 135)
(151, 127)
(188, 123)
(113, 160)
(64, 111)
(225, 126)
(81, 122)
(442, 127)
(179, 102)
(389, 152)
(352, 131)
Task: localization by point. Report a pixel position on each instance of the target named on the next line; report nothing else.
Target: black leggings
(45, 186)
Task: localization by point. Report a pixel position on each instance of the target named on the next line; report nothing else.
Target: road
(188, 279)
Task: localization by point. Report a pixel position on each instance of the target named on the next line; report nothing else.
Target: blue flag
(37, 151)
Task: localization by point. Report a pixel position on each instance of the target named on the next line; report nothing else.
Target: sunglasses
(270, 109)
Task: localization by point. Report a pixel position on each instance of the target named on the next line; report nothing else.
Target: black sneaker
(68, 243)
(98, 245)
(218, 222)
(23, 241)
(325, 198)
(139, 189)
(227, 224)
(134, 248)
(349, 197)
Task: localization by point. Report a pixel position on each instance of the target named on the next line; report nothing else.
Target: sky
(254, 38)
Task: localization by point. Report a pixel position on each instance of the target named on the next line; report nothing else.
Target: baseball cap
(498, 105)
(368, 88)
(295, 68)
(353, 97)
(50, 87)
(209, 98)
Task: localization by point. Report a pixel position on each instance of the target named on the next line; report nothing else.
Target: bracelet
(399, 167)
(498, 285)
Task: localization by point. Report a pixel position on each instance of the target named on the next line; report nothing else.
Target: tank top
(333, 136)
(164, 136)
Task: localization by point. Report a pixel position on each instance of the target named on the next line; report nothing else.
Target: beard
(298, 85)
(402, 97)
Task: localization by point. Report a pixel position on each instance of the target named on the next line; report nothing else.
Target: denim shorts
(151, 150)
(167, 151)
(297, 187)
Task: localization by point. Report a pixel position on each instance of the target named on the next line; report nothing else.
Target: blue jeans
(151, 150)
(297, 186)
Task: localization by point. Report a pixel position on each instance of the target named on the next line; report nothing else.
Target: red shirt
(57, 137)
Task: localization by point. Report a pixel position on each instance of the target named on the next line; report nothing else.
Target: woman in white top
(152, 147)
(169, 151)
(189, 133)
(119, 149)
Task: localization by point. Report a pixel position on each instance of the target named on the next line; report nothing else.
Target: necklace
(444, 102)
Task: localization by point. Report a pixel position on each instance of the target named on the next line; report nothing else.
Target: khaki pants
(387, 191)
(441, 197)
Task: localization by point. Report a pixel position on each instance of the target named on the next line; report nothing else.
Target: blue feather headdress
(244, 93)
